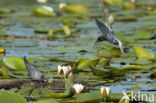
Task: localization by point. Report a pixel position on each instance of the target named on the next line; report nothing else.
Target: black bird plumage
(108, 34)
(32, 72)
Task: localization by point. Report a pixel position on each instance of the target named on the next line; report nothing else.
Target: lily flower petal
(105, 91)
(78, 88)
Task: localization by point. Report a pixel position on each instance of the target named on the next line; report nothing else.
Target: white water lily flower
(42, 1)
(59, 70)
(78, 88)
(64, 70)
(62, 5)
(105, 91)
(48, 8)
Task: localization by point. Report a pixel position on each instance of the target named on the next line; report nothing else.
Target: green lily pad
(5, 11)
(107, 72)
(83, 64)
(128, 5)
(133, 67)
(91, 97)
(126, 19)
(70, 23)
(141, 53)
(122, 60)
(9, 97)
(24, 91)
(76, 8)
(4, 73)
(43, 11)
(55, 30)
(108, 52)
(13, 63)
(100, 71)
(113, 2)
(35, 92)
(142, 35)
(50, 100)
(51, 94)
(94, 97)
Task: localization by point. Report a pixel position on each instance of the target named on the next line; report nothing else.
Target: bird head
(99, 39)
(119, 43)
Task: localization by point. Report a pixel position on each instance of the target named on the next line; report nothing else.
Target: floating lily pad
(24, 91)
(83, 64)
(5, 11)
(113, 2)
(126, 19)
(43, 11)
(50, 93)
(9, 97)
(92, 97)
(133, 67)
(70, 23)
(128, 5)
(142, 35)
(13, 63)
(142, 53)
(45, 101)
(105, 73)
(76, 8)
(108, 52)
(4, 73)
(100, 71)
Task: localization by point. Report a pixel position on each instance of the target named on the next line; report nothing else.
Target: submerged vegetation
(58, 37)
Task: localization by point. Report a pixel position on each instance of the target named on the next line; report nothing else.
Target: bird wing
(102, 27)
(109, 25)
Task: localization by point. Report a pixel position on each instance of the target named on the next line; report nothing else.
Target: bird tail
(28, 66)
(25, 60)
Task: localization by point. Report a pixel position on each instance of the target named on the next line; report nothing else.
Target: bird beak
(95, 44)
(120, 46)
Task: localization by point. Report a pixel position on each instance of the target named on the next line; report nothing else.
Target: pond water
(22, 40)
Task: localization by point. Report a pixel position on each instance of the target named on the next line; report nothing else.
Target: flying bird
(32, 72)
(108, 34)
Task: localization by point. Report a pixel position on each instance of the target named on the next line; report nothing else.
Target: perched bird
(32, 72)
(108, 34)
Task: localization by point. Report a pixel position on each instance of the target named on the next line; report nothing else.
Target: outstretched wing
(105, 31)
(109, 25)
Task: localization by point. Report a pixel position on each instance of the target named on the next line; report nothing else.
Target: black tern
(108, 34)
(32, 72)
